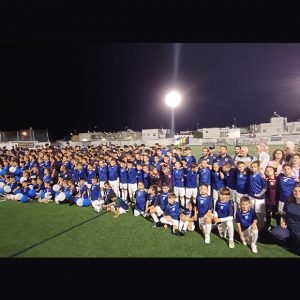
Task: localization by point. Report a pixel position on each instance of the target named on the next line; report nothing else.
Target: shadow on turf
(57, 234)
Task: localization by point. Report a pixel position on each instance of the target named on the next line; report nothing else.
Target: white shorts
(137, 213)
(232, 194)
(191, 192)
(179, 191)
(96, 203)
(101, 184)
(248, 232)
(132, 188)
(238, 197)
(202, 221)
(114, 184)
(174, 222)
(159, 211)
(122, 210)
(123, 186)
(280, 206)
(258, 205)
(215, 195)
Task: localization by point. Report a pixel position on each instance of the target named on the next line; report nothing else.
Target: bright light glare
(173, 99)
(24, 133)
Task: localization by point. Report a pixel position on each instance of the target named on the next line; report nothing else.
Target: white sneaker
(253, 248)
(97, 209)
(231, 244)
(207, 239)
(244, 243)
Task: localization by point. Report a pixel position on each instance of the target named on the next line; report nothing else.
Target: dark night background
(79, 85)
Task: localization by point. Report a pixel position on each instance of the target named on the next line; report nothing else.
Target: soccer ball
(12, 169)
(19, 196)
(23, 179)
(56, 188)
(7, 189)
(79, 202)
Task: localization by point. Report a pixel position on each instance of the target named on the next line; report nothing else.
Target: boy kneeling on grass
(171, 214)
(246, 221)
(118, 206)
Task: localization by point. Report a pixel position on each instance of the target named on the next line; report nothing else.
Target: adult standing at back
(263, 156)
(290, 224)
(289, 150)
(206, 156)
(223, 157)
(295, 162)
(237, 153)
(277, 162)
(244, 157)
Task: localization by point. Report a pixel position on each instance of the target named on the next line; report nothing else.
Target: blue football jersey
(242, 182)
(191, 179)
(132, 176)
(245, 218)
(224, 209)
(113, 172)
(204, 176)
(163, 200)
(286, 185)
(256, 185)
(140, 198)
(123, 175)
(95, 192)
(178, 180)
(172, 210)
(204, 204)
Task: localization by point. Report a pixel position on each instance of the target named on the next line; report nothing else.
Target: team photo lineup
(167, 185)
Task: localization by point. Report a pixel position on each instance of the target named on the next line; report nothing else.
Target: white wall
(150, 134)
(211, 133)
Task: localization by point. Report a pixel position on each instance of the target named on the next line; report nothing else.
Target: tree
(198, 135)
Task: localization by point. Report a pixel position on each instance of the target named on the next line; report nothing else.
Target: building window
(154, 134)
(206, 131)
(298, 129)
(264, 130)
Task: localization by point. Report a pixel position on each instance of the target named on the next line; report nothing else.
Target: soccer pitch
(51, 230)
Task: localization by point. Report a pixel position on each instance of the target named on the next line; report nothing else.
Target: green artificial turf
(51, 230)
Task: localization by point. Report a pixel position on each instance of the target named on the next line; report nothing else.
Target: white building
(278, 126)
(153, 134)
(225, 132)
(294, 127)
(127, 135)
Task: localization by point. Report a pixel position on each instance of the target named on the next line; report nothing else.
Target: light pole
(173, 99)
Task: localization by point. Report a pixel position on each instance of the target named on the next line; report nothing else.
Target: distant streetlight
(173, 99)
(24, 133)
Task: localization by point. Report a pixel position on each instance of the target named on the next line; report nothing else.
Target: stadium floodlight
(173, 99)
(24, 133)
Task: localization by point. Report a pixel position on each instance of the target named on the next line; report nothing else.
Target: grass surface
(51, 230)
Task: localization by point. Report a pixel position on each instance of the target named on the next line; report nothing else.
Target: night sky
(79, 85)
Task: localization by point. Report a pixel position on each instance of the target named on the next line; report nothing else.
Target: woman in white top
(295, 161)
(277, 161)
